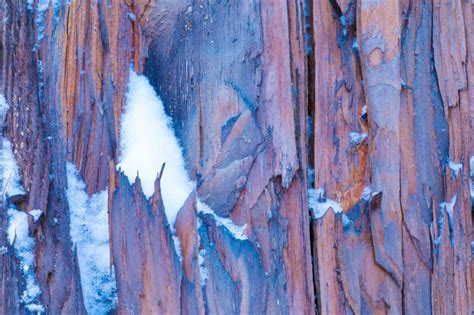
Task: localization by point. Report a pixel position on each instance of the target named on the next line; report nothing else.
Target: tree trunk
(332, 139)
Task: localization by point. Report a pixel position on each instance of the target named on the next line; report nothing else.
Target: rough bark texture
(367, 94)
(407, 61)
(143, 240)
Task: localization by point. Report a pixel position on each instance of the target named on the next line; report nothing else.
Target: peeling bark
(412, 92)
(373, 98)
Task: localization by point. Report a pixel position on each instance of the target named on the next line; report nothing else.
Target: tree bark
(281, 107)
(389, 58)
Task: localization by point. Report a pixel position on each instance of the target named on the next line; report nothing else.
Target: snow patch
(90, 233)
(449, 206)
(357, 138)
(320, 204)
(203, 273)
(364, 110)
(11, 181)
(36, 214)
(18, 230)
(18, 236)
(3, 107)
(132, 16)
(177, 248)
(455, 167)
(366, 194)
(450, 209)
(437, 241)
(238, 232)
(147, 141)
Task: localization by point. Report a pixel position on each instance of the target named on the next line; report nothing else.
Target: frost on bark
(367, 103)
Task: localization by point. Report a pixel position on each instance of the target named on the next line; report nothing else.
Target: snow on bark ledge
(90, 233)
(449, 207)
(320, 204)
(455, 167)
(147, 141)
(23, 243)
(11, 180)
(11, 184)
(238, 232)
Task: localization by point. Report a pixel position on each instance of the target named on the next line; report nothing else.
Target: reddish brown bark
(240, 81)
(147, 268)
(392, 258)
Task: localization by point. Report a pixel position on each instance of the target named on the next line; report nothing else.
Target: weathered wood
(375, 97)
(414, 97)
(243, 130)
(148, 271)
